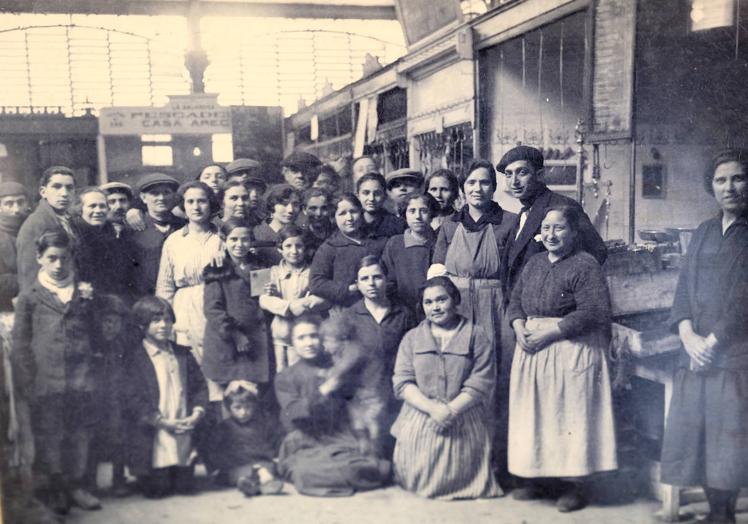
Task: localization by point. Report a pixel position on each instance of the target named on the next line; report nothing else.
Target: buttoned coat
(141, 398)
(466, 364)
(42, 219)
(229, 308)
(54, 343)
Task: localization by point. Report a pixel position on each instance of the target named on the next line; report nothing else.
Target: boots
(721, 506)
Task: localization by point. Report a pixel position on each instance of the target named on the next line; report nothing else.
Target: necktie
(522, 219)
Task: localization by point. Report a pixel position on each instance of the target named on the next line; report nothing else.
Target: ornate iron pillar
(196, 59)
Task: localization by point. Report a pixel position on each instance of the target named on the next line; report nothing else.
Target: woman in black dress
(706, 435)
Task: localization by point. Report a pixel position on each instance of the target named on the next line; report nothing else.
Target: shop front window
(533, 89)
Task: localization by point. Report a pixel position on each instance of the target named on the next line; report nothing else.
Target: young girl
(320, 454)
(407, 257)
(349, 377)
(165, 398)
(333, 272)
(284, 205)
(236, 340)
(244, 445)
(371, 191)
(53, 359)
(287, 295)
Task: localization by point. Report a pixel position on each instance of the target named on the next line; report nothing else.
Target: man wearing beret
(522, 167)
(158, 192)
(14, 208)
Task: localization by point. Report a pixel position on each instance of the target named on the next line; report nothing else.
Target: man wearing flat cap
(402, 183)
(14, 208)
(299, 169)
(523, 171)
(158, 192)
(247, 171)
(119, 199)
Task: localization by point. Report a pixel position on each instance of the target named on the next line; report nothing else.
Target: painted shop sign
(183, 115)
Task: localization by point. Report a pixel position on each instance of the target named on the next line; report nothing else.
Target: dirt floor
(391, 506)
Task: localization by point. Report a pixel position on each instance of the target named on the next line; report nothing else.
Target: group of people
(340, 340)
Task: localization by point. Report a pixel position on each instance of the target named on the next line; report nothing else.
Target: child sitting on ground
(243, 446)
(365, 404)
(320, 453)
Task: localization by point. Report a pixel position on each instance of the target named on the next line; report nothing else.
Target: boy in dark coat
(56, 187)
(53, 363)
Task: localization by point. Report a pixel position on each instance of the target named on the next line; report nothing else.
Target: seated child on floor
(165, 398)
(349, 378)
(243, 446)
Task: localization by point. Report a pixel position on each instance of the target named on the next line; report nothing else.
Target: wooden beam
(208, 8)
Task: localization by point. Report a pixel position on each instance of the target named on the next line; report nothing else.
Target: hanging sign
(183, 115)
(613, 70)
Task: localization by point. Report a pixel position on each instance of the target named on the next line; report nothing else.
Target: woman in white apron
(185, 254)
(561, 425)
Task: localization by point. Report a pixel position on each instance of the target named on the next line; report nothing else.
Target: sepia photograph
(373, 261)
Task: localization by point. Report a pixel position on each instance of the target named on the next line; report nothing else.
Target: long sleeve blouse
(572, 288)
(183, 259)
(712, 289)
(466, 364)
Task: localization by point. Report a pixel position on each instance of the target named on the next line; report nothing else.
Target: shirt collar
(410, 240)
(154, 350)
(211, 229)
(287, 270)
(493, 214)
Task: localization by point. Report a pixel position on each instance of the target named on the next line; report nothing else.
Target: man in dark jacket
(158, 192)
(523, 170)
(14, 208)
(57, 188)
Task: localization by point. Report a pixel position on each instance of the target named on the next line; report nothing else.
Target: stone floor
(391, 506)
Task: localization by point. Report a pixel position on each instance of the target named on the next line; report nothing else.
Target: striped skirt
(453, 464)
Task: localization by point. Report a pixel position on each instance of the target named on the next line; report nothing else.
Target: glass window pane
(223, 147)
(157, 156)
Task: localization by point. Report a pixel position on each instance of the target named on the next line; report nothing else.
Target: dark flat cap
(11, 189)
(153, 179)
(116, 187)
(405, 172)
(533, 156)
(242, 164)
(301, 161)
